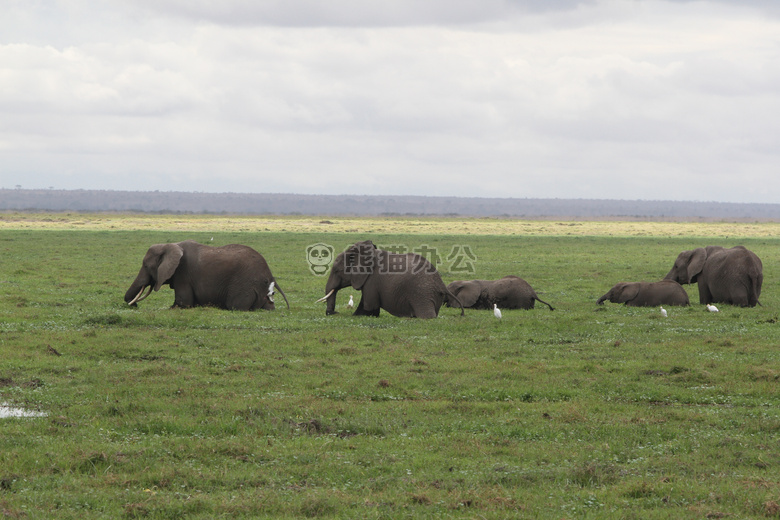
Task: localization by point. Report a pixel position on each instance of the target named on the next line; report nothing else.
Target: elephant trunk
(134, 293)
(601, 300)
(332, 287)
(330, 298)
(330, 308)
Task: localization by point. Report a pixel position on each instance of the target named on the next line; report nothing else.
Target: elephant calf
(647, 294)
(509, 292)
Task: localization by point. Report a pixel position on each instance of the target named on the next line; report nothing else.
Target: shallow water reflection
(12, 411)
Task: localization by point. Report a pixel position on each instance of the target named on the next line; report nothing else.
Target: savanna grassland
(584, 412)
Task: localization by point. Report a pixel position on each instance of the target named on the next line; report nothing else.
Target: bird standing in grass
(350, 303)
(712, 308)
(496, 311)
(663, 312)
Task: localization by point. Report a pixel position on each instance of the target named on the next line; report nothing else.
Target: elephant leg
(424, 311)
(183, 297)
(242, 300)
(360, 310)
(739, 296)
(705, 296)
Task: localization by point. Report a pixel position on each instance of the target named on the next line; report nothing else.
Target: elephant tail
(283, 295)
(551, 307)
(757, 281)
(752, 286)
(450, 297)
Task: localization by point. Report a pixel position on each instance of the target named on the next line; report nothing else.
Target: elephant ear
(169, 262)
(628, 292)
(360, 263)
(467, 292)
(696, 263)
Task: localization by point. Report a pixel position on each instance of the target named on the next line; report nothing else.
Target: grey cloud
(355, 13)
(767, 6)
(533, 99)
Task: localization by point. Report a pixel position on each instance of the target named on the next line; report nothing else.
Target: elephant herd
(237, 277)
(732, 276)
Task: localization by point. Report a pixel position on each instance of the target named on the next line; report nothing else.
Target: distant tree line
(177, 202)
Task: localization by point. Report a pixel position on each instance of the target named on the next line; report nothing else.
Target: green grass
(585, 412)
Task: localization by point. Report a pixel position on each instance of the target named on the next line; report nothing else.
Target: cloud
(354, 13)
(647, 99)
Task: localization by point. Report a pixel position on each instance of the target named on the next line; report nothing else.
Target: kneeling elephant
(647, 294)
(732, 276)
(404, 285)
(509, 292)
(234, 277)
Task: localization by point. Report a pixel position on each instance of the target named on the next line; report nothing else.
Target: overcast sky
(618, 99)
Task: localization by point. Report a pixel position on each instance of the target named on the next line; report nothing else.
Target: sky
(608, 99)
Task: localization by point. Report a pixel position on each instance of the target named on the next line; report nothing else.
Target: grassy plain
(585, 412)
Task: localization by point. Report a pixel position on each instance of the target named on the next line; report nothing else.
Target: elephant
(509, 292)
(647, 294)
(732, 276)
(234, 276)
(404, 285)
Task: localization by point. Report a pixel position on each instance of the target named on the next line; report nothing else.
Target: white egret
(351, 302)
(712, 308)
(663, 312)
(496, 311)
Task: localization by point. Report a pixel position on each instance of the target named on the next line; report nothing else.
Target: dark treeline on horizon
(373, 205)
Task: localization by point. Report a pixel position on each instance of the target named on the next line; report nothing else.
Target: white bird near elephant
(663, 312)
(351, 302)
(496, 311)
(712, 308)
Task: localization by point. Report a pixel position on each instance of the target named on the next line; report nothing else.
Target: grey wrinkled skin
(234, 276)
(509, 292)
(733, 276)
(647, 294)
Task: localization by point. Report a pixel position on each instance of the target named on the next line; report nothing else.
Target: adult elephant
(647, 294)
(405, 285)
(732, 276)
(234, 277)
(509, 292)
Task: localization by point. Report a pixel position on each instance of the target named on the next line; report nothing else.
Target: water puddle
(12, 411)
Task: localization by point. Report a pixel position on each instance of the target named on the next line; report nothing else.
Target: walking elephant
(732, 276)
(232, 277)
(405, 285)
(647, 294)
(509, 292)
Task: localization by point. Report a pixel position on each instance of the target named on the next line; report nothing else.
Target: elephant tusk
(326, 296)
(138, 296)
(145, 295)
